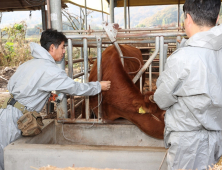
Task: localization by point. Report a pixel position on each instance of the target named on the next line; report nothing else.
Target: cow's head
(149, 117)
(148, 106)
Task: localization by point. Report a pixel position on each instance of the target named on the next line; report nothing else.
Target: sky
(10, 18)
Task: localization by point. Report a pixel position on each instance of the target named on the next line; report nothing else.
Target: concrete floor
(100, 146)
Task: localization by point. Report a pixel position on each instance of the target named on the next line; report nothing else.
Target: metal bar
(81, 60)
(119, 52)
(178, 39)
(49, 14)
(56, 19)
(161, 55)
(112, 11)
(81, 49)
(70, 73)
(165, 49)
(69, 121)
(149, 61)
(131, 41)
(43, 17)
(79, 103)
(128, 35)
(102, 9)
(125, 23)
(150, 77)
(128, 14)
(141, 84)
(178, 19)
(99, 74)
(86, 79)
(79, 74)
(85, 16)
(70, 63)
(125, 30)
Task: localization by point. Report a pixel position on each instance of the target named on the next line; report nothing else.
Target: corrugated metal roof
(22, 5)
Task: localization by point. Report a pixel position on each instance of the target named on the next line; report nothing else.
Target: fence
(124, 36)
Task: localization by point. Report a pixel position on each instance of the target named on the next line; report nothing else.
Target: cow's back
(111, 64)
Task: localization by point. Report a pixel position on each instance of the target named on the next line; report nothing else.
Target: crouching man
(190, 90)
(31, 85)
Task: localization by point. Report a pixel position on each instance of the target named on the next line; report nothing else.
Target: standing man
(34, 80)
(190, 90)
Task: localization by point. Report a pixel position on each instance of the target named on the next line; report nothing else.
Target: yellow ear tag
(141, 111)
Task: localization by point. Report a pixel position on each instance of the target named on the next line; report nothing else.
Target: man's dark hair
(51, 36)
(203, 12)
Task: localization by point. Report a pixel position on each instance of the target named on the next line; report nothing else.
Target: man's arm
(170, 80)
(58, 80)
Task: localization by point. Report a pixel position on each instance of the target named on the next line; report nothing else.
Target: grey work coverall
(190, 90)
(31, 86)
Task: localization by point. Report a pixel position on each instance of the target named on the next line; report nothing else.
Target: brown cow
(124, 98)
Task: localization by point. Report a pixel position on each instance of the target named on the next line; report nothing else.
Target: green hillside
(166, 16)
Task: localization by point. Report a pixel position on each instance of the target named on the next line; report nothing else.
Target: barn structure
(91, 142)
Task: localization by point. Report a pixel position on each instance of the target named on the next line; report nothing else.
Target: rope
(163, 159)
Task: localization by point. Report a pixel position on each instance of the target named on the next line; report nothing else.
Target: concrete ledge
(19, 157)
(102, 146)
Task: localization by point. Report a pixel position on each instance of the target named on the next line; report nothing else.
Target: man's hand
(105, 85)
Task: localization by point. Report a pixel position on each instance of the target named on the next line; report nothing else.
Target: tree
(73, 19)
(14, 50)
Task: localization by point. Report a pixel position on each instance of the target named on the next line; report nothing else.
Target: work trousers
(9, 131)
(193, 150)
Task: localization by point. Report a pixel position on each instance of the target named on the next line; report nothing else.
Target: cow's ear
(137, 103)
(139, 108)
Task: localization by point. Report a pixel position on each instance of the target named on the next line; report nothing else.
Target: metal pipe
(102, 9)
(56, 14)
(149, 61)
(150, 77)
(86, 79)
(131, 41)
(119, 52)
(111, 11)
(70, 62)
(70, 73)
(141, 84)
(81, 49)
(85, 16)
(99, 74)
(161, 55)
(124, 35)
(56, 18)
(49, 14)
(178, 13)
(79, 74)
(165, 49)
(125, 30)
(125, 23)
(178, 39)
(69, 121)
(43, 17)
(128, 14)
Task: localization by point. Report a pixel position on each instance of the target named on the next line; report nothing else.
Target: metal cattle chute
(112, 34)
